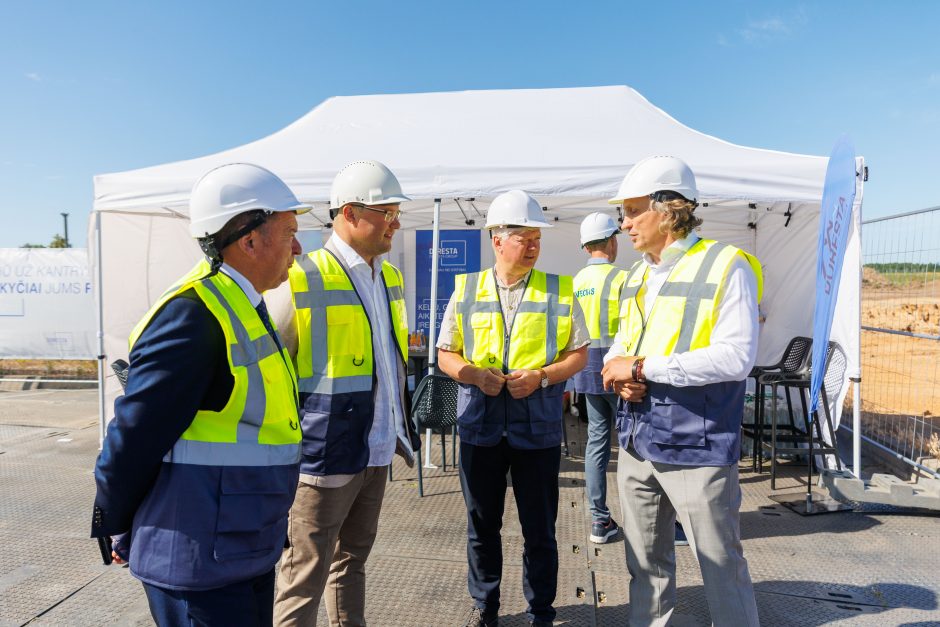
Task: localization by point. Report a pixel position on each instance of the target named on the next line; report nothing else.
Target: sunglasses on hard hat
(390, 214)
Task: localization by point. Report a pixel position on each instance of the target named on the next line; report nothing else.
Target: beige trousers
(707, 500)
(330, 532)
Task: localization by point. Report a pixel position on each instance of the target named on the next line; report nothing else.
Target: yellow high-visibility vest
(597, 288)
(683, 316)
(259, 424)
(334, 351)
(540, 328)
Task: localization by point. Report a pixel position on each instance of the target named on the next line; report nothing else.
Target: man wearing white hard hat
(686, 342)
(351, 352)
(511, 336)
(199, 465)
(597, 287)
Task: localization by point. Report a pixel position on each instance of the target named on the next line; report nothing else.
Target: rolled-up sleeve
(579, 336)
(450, 338)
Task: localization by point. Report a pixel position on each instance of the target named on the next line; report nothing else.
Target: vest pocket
(326, 421)
(545, 409)
(678, 424)
(471, 404)
(253, 506)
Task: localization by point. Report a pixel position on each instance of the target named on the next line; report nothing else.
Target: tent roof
(564, 145)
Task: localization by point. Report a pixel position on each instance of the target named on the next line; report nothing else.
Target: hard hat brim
(527, 225)
(602, 237)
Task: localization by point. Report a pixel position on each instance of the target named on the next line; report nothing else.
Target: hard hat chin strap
(667, 195)
(213, 254)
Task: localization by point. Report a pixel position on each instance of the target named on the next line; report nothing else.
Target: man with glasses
(351, 354)
(511, 336)
(686, 342)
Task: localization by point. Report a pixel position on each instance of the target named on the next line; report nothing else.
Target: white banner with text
(47, 306)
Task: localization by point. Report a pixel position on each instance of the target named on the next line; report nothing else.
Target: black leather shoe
(478, 619)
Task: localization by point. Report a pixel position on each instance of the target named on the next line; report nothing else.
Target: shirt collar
(253, 296)
(597, 261)
(352, 258)
(672, 253)
(499, 281)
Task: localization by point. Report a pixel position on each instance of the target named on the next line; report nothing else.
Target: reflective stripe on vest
(540, 328)
(684, 312)
(259, 424)
(601, 307)
(334, 334)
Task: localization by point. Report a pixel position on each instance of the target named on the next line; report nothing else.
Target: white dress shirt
(253, 296)
(733, 348)
(387, 423)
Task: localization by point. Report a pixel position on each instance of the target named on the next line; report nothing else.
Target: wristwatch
(544, 382)
(637, 369)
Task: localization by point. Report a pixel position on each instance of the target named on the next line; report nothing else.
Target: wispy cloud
(33, 76)
(934, 80)
(773, 28)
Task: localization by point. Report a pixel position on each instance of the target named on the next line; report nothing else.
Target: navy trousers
(535, 486)
(243, 604)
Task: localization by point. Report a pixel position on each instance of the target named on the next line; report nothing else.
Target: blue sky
(94, 87)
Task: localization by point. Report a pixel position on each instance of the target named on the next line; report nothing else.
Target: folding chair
(435, 407)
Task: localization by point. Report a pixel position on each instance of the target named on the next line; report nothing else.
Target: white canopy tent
(568, 147)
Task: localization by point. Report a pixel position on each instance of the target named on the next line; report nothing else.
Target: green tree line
(904, 266)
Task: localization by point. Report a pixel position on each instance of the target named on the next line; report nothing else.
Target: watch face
(544, 382)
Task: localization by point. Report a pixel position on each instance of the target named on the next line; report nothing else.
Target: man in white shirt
(686, 342)
(351, 353)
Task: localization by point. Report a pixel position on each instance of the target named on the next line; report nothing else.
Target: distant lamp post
(65, 220)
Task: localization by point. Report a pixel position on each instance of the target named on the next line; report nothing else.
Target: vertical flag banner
(835, 216)
(459, 253)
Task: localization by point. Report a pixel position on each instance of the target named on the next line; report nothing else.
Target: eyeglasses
(390, 214)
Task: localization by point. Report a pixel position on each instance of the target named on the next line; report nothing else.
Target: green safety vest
(597, 288)
(259, 424)
(540, 328)
(334, 352)
(685, 311)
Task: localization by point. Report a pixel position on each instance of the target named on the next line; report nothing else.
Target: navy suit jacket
(178, 366)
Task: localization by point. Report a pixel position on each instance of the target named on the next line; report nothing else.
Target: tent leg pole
(432, 322)
(427, 449)
(435, 261)
(100, 321)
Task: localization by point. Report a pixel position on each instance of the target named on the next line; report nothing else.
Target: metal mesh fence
(900, 342)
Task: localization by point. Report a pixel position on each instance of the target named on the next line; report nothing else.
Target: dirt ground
(901, 374)
(49, 368)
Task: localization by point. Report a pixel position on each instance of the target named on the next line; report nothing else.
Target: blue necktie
(262, 310)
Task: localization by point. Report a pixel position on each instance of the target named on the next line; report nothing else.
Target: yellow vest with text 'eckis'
(597, 287)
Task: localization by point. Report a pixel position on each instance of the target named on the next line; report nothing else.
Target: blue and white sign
(47, 305)
(458, 253)
(835, 220)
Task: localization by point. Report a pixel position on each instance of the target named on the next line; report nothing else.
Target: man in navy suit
(199, 466)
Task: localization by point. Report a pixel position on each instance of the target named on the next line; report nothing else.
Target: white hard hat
(515, 208)
(657, 174)
(596, 227)
(228, 190)
(365, 183)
